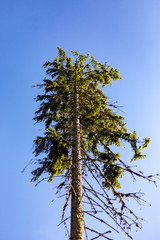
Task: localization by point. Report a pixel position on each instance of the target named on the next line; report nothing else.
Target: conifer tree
(81, 128)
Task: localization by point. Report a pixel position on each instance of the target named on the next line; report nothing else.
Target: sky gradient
(126, 34)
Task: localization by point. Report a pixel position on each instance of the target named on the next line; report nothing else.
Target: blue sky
(124, 33)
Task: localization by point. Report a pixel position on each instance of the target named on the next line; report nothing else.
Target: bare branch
(100, 234)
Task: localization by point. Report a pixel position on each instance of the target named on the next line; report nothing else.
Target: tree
(81, 128)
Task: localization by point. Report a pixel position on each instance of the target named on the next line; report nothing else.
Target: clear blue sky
(124, 33)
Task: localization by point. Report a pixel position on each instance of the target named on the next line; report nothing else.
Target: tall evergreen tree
(81, 127)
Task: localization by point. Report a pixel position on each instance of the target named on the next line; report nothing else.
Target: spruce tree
(81, 128)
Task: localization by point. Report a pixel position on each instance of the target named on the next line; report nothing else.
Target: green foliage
(100, 125)
(101, 131)
(57, 155)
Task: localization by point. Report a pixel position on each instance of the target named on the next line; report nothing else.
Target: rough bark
(77, 218)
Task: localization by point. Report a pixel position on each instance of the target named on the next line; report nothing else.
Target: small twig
(98, 233)
(101, 235)
(56, 199)
(85, 231)
(41, 181)
(63, 221)
(100, 219)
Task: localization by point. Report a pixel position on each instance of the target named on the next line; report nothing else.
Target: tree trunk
(77, 217)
